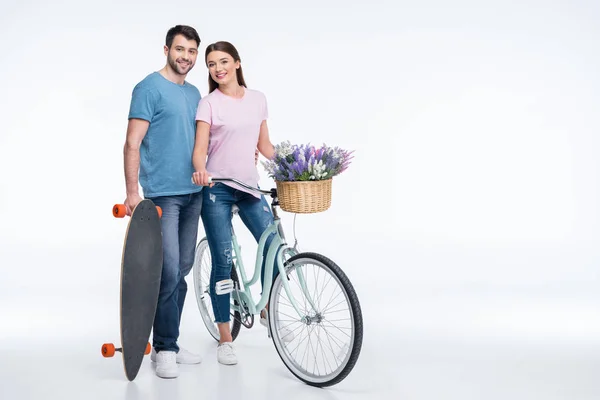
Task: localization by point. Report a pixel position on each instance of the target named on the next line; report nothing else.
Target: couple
(174, 134)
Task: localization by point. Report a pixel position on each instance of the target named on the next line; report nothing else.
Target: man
(160, 140)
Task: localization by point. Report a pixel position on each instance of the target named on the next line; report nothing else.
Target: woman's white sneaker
(226, 354)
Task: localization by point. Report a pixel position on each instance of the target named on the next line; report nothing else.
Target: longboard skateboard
(141, 269)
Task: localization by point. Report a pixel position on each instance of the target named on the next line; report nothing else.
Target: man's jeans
(179, 224)
(216, 217)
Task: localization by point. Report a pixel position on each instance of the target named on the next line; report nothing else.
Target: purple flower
(306, 162)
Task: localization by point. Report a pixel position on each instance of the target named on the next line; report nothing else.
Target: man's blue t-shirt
(166, 151)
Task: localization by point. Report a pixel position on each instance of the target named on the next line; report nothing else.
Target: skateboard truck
(120, 211)
(109, 349)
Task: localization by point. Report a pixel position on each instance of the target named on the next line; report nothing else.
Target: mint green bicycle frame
(278, 242)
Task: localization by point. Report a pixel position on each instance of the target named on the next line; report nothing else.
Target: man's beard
(178, 68)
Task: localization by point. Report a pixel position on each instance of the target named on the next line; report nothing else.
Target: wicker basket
(304, 197)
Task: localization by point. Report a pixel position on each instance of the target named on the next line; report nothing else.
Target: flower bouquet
(303, 175)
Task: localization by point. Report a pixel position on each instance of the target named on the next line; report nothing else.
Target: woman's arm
(265, 146)
(200, 175)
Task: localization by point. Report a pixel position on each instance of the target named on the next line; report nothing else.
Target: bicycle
(293, 308)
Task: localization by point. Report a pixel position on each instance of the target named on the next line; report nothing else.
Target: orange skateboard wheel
(148, 349)
(119, 210)
(159, 211)
(108, 349)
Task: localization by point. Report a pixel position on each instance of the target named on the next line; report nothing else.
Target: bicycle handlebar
(211, 180)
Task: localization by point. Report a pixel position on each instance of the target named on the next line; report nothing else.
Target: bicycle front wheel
(321, 343)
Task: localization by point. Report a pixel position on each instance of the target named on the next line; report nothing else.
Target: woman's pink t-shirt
(234, 129)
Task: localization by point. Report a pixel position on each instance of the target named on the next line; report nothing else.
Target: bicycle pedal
(223, 287)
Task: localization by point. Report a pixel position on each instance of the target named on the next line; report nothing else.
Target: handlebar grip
(209, 180)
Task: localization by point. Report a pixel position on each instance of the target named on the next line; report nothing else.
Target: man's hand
(131, 202)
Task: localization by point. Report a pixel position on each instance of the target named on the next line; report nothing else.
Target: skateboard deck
(141, 269)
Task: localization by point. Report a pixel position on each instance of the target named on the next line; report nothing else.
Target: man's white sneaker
(183, 357)
(285, 334)
(166, 364)
(226, 354)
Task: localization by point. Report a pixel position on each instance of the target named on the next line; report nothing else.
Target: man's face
(182, 54)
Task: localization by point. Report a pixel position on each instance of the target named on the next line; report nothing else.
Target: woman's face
(221, 67)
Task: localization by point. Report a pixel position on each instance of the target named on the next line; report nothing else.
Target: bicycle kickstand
(268, 325)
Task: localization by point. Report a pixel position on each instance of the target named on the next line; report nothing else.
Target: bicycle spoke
(347, 310)
(331, 344)
(307, 337)
(335, 340)
(298, 346)
(287, 315)
(330, 278)
(310, 345)
(339, 329)
(344, 319)
(316, 301)
(325, 360)
(342, 301)
(333, 298)
(307, 346)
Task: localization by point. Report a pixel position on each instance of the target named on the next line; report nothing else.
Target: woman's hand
(200, 178)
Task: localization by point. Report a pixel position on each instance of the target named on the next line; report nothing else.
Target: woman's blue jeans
(216, 217)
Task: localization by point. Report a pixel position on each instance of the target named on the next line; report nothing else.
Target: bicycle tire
(356, 318)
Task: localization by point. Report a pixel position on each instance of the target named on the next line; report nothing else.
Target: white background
(468, 221)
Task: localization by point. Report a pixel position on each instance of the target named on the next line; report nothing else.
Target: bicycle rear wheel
(322, 345)
(202, 267)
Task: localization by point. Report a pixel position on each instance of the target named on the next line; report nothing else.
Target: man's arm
(136, 131)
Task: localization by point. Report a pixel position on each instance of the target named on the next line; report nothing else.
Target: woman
(230, 122)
